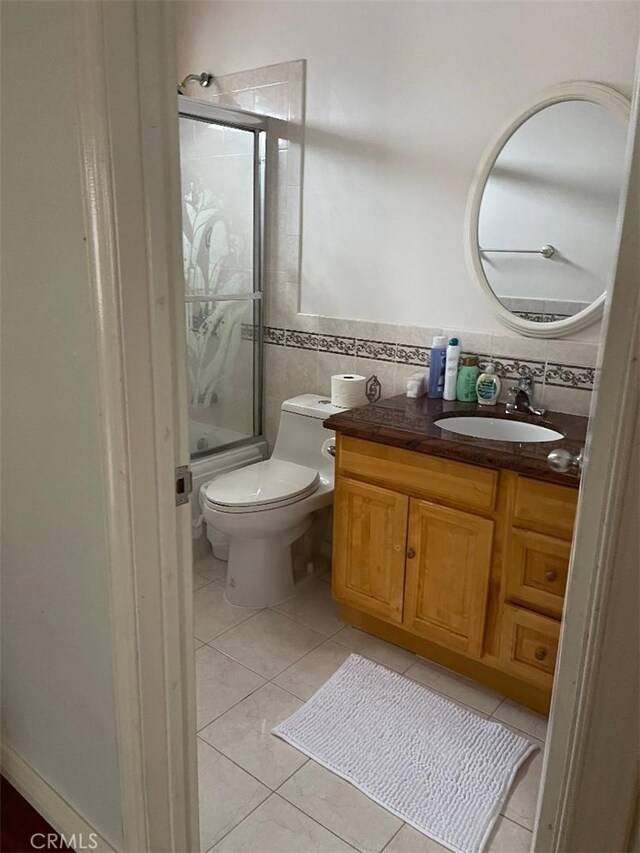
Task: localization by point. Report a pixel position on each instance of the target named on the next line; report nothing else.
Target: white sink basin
(498, 429)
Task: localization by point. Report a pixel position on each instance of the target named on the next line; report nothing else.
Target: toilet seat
(261, 486)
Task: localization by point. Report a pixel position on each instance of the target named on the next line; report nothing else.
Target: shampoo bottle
(436, 366)
(451, 369)
(488, 386)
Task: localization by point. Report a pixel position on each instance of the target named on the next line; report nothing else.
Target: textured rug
(441, 768)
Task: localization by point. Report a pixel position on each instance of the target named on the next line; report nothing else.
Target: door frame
(128, 132)
(590, 771)
(128, 139)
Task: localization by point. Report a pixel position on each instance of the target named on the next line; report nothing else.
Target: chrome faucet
(522, 394)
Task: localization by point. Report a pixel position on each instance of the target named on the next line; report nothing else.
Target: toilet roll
(348, 390)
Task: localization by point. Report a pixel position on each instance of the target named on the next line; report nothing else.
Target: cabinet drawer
(455, 483)
(545, 507)
(536, 570)
(529, 645)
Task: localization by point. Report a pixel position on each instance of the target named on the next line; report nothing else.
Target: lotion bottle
(467, 378)
(451, 369)
(488, 386)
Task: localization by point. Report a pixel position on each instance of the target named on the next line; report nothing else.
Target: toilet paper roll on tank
(348, 390)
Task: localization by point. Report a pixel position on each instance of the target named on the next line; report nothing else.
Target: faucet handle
(525, 383)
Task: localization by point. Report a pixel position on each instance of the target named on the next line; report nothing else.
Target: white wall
(402, 99)
(57, 689)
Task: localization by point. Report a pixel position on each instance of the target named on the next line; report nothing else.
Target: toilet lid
(262, 484)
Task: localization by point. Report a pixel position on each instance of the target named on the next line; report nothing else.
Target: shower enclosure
(222, 161)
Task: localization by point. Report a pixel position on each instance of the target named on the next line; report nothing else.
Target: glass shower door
(222, 178)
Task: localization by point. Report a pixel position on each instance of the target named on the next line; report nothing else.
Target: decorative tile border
(248, 332)
(570, 376)
(274, 336)
(301, 340)
(516, 368)
(409, 354)
(377, 350)
(339, 344)
(540, 317)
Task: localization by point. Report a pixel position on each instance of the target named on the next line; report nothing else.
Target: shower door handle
(225, 297)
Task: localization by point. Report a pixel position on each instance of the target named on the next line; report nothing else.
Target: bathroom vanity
(456, 548)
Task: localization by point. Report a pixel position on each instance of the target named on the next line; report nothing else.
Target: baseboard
(62, 816)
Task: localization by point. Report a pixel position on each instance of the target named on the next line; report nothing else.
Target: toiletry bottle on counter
(467, 378)
(451, 369)
(436, 366)
(488, 386)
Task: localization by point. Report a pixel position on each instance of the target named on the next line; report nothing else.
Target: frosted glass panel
(217, 166)
(220, 359)
(218, 195)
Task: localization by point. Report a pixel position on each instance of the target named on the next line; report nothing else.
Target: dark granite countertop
(408, 423)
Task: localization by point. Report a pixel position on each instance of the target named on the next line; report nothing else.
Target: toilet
(265, 507)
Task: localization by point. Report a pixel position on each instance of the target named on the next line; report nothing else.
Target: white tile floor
(256, 667)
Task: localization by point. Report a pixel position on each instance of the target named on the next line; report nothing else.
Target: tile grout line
(319, 822)
(299, 622)
(512, 820)
(275, 794)
(236, 625)
(231, 707)
(249, 773)
(222, 837)
(266, 678)
(395, 835)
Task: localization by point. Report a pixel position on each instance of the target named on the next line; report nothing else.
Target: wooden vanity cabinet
(463, 564)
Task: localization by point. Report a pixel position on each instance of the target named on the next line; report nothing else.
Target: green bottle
(467, 378)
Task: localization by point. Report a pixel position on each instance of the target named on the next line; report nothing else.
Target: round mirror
(540, 231)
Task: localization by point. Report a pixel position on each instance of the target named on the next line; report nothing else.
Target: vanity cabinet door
(448, 568)
(369, 542)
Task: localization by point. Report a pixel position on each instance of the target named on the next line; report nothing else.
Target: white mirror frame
(596, 93)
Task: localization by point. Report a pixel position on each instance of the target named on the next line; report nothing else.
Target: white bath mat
(442, 769)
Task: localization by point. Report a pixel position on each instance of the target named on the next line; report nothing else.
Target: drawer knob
(540, 653)
(411, 553)
(551, 576)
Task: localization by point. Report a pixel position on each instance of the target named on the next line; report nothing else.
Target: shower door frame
(258, 125)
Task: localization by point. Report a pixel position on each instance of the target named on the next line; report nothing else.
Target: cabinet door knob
(550, 576)
(411, 553)
(540, 653)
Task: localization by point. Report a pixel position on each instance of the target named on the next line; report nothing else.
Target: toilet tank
(301, 433)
